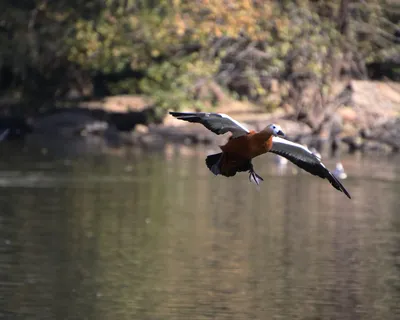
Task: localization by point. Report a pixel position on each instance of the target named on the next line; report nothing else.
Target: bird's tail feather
(212, 162)
(226, 164)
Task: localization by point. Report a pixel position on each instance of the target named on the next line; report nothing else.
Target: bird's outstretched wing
(218, 123)
(305, 159)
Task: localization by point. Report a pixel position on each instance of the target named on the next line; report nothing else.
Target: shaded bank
(362, 115)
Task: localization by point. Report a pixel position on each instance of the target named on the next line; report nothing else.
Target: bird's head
(275, 130)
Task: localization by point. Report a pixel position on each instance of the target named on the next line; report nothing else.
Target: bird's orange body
(238, 151)
(250, 145)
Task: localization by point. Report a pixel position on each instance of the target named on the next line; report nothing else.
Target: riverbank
(364, 115)
(367, 120)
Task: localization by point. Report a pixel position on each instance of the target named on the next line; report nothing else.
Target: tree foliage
(176, 48)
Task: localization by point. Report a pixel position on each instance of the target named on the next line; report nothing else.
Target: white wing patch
(294, 149)
(237, 123)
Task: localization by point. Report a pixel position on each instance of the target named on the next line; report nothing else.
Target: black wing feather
(314, 167)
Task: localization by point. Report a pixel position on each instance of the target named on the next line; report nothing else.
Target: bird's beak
(280, 133)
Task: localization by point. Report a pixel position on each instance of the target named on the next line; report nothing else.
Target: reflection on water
(156, 236)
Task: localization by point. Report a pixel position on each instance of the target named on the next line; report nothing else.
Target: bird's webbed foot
(255, 178)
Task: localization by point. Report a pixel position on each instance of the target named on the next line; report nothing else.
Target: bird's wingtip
(346, 193)
(338, 185)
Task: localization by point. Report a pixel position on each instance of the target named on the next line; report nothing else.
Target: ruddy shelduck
(244, 145)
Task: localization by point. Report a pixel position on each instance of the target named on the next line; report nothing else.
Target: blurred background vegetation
(192, 53)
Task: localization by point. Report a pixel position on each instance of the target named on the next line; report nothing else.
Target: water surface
(156, 236)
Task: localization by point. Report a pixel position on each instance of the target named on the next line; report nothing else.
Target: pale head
(275, 130)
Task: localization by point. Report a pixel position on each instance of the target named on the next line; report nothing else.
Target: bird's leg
(254, 177)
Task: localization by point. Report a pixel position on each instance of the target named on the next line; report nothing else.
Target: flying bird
(244, 145)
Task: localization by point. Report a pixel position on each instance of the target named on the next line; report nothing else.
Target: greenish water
(156, 236)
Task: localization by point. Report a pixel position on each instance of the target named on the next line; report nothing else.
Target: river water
(154, 235)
